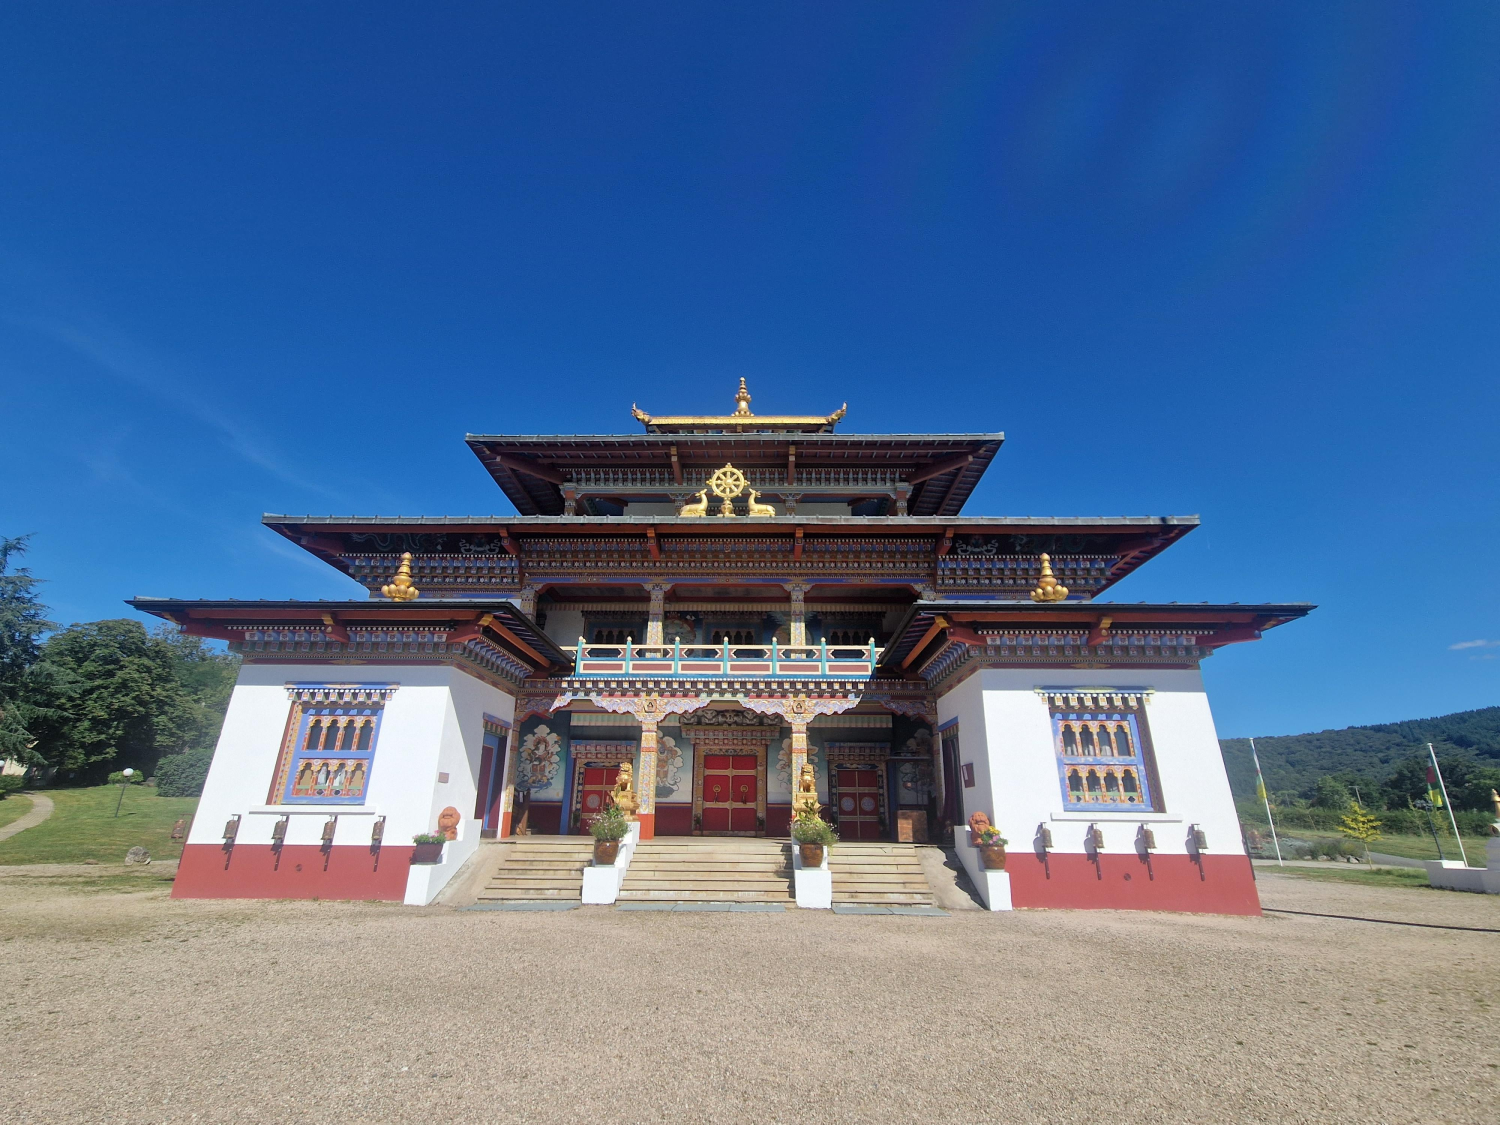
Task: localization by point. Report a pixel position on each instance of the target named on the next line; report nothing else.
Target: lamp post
(128, 773)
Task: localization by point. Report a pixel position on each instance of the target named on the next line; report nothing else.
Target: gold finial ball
(400, 588)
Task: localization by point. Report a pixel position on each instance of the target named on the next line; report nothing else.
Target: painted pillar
(799, 749)
(508, 781)
(798, 591)
(658, 592)
(645, 780)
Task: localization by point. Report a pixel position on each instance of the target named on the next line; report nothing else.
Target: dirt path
(41, 809)
(118, 1003)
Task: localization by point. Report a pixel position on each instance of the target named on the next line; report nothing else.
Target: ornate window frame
(1101, 742)
(328, 748)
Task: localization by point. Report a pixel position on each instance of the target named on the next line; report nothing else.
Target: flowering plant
(987, 835)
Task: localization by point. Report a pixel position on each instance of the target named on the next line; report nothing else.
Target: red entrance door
(593, 794)
(730, 791)
(859, 801)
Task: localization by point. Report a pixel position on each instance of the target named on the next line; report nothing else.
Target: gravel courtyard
(120, 1005)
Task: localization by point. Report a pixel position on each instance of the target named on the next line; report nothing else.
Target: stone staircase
(878, 874)
(539, 868)
(709, 869)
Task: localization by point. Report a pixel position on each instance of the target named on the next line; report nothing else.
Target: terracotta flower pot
(427, 853)
(812, 854)
(993, 856)
(606, 852)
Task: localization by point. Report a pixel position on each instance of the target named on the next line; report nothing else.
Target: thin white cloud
(1473, 644)
(133, 365)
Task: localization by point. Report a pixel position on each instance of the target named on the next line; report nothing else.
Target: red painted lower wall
(778, 820)
(1212, 884)
(674, 820)
(300, 871)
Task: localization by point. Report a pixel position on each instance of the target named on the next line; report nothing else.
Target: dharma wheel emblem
(727, 483)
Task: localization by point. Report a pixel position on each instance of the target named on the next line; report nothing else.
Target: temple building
(719, 600)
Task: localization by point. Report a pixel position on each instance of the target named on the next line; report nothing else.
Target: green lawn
(84, 827)
(14, 807)
(1365, 876)
(1410, 847)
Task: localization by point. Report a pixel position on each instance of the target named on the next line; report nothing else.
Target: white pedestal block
(993, 886)
(814, 884)
(1454, 876)
(602, 882)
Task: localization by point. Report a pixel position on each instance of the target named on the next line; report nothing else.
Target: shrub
(813, 830)
(611, 824)
(119, 778)
(429, 838)
(11, 784)
(183, 775)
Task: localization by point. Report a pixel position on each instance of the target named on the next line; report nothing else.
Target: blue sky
(1241, 263)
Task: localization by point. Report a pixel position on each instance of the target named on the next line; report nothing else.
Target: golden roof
(741, 421)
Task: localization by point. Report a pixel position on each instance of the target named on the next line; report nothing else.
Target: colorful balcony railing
(773, 661)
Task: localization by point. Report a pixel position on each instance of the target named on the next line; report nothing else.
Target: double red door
(593, 793)
(730, 793)
(859, 803)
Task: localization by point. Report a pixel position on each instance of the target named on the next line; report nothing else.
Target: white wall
(1006, 731)
(433, 724)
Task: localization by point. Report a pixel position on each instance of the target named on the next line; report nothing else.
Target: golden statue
(401, 589)
(1047, 588)
(805, 799)
(727, 483)
(622, 796)
(757, 509)
(698, 508)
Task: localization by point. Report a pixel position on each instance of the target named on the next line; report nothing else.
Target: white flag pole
(1260, 783)
(1443, 788)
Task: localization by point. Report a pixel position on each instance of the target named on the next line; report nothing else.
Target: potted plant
(991, 847)
(609, 828)
(429, 847)
(813, 834)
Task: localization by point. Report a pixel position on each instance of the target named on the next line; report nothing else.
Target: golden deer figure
(758, 509)
(698, 508)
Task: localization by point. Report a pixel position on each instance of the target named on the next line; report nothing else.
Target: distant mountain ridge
(1295, 762)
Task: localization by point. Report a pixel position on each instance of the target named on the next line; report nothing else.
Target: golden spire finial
(401, 589)
(1047, 587)
(742, 401)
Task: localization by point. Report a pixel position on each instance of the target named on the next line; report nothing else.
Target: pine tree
(23, 621)
(1357, 824)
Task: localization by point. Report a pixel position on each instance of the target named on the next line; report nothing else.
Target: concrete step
(535, 868)
(878, 873)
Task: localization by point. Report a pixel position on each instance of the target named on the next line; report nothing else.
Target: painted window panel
(333, 753)
(1102, 758)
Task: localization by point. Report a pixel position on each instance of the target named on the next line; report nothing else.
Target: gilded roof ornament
(1047, 588)
(741, 421)
(401, 589)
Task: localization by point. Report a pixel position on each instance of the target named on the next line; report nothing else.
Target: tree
(23, 622)
(1357, 824)
(1330, 793)
(114, 697)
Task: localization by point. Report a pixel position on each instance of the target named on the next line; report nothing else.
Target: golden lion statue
(805, 799)
(622, 796)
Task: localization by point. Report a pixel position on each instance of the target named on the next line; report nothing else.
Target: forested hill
(1293, 763)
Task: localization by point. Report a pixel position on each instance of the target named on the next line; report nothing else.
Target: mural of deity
(913, 783)
(541, 758)
(919, 745)
(668, 767)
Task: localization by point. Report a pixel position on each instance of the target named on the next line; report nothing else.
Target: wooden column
(799, 750)
(798, 591)
(508, 782)
(658, 592)
(645, 780)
